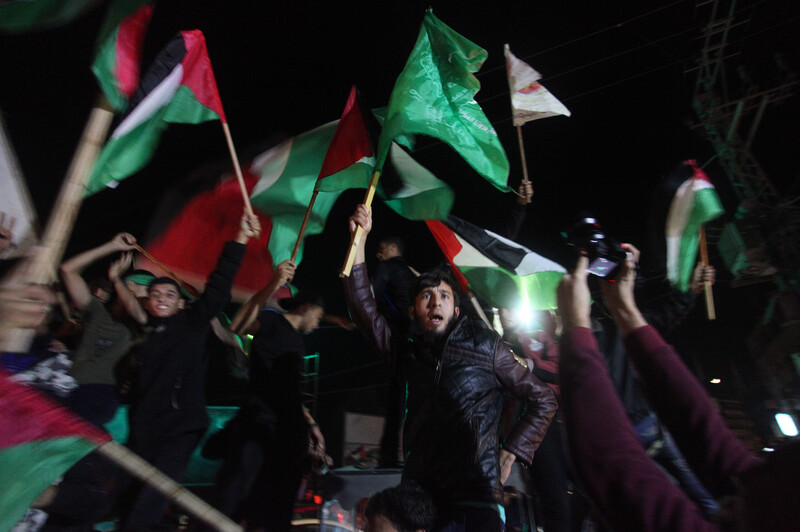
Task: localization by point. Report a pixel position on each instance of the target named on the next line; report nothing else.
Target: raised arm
(684, 406)
(358, 294)
(71, 270)
(627, 489)
(217, 292)
(126, 297)
(245, 319)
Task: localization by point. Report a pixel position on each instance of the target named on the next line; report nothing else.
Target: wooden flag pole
(478, 309)
(522, 154)
(176, 493)
(712, 313)
(296, 249)
(155, 261)
(237, 169)
(359, 234)
(65, 211)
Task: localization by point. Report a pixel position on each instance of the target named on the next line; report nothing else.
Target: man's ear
(411, 312)
(181, 303)
(457, 311)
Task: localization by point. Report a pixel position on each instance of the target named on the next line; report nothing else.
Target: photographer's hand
(618, 294)
(573, 297)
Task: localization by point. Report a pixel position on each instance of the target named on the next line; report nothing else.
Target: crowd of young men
(457, 372)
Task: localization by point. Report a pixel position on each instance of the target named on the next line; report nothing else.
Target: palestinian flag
(119, 49)
(406, 186)
(351, 145)
(499, 271)
(411, 190)
(288, 175)
(180, 88)
(17, 16)
(529, 99)
(694, 203)
(192, 224)
(39, 441)
(435, 96)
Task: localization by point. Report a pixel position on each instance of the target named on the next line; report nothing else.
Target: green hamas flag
(434, 96)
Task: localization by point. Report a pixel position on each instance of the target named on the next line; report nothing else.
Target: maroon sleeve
(540, 403)
(364, 313)
(714, 452)
(628, 490)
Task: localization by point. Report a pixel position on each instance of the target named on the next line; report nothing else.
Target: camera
(604, 252)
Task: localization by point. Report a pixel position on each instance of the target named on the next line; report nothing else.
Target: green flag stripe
(103, 69)
(505, 290)
(27, 470)
(126, 154)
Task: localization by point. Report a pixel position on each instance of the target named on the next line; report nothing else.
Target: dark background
(625, 69)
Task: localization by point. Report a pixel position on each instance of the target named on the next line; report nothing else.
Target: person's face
(434, 308)
(379, 523)
(311, 319)
(386, 251)
(163, 300)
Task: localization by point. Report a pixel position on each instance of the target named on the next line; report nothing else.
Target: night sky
(625, 69)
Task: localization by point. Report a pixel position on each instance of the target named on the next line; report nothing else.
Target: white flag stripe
(468, 256)
(677, 219)
(270, 166)
(424, 179)
(157, 98)
(531, 262)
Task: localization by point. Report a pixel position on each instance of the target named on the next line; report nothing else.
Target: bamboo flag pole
(296, 249)
(359, 234)
(65, 211)
(237, 168)
(176, 493)
(710, 310)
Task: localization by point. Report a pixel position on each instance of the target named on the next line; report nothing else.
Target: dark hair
(432, 279)
(166, 280)
(394, 239)
(407, 506)
(303, 297)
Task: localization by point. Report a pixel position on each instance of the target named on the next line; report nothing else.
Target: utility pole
(762, 243)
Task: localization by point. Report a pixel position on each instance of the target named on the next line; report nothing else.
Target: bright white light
(768, 449)
(786, 424)
(524, 318)
(715, 381)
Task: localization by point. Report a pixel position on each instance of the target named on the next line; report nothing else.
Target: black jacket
(170, 396)
(454, 401)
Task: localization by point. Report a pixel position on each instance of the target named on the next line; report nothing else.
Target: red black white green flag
(39, 441)
(119, 49)
(693, 201)
(498, 270)
(351, 145)
(191, 226)
(179, 87)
